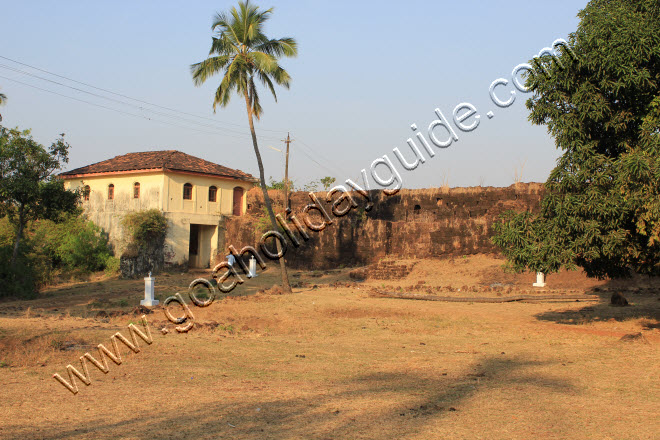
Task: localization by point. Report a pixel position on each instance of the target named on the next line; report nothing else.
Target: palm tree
(243, 55)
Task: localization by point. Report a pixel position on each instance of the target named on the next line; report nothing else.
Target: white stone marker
(149, 300)
(252, 268)
(540, 280)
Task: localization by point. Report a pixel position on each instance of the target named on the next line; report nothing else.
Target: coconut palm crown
(242, 53)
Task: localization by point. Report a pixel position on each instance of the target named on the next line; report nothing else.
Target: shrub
(74, 245)
(145, 227)
(18, 281)
(112, 266)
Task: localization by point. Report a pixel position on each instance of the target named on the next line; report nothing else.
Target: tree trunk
(19, 234)
(285, 276)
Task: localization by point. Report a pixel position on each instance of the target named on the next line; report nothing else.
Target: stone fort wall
(423, 223)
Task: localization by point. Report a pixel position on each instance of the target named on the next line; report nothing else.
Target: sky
(365, 72)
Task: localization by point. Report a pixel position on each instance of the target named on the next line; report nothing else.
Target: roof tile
(167, 160)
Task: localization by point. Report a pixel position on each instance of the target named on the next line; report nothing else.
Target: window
(238, 201)
(213, 193)
(187, 191)
(86, 192)
(111, 192)
(136, 190)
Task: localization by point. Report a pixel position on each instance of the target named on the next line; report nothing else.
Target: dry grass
(334, 363)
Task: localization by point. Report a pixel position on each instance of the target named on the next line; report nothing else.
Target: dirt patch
(333, 362)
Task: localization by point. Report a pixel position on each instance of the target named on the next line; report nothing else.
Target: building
(194, 194)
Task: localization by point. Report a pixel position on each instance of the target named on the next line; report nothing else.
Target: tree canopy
(28, 188)
(601, 210)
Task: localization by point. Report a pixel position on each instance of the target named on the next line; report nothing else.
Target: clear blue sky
(365, 72)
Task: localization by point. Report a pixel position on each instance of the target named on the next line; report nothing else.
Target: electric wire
(122, 111)
(129, 97)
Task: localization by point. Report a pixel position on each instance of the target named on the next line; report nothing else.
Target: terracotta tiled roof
(168, 160)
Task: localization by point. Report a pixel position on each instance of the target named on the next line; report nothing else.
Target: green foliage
(244, 55)
(327, 182)
(75, 244)
(72, 246)
(312, 186)
(146, 227)
(112, 265)
(278, 185)
(28, 188)
(262, 224)
(601, 211)
(20, 280)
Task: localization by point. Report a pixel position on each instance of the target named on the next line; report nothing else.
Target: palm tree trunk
(285, 276)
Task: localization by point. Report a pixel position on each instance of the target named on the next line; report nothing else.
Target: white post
(149, 300)
(253, 268)
(540, 280)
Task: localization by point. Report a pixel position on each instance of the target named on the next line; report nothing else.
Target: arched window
(111, 192)
(86, 192)
(187, 191)
(136, 190)
(213, 193)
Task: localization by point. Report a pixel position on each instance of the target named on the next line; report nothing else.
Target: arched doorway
(238, 201)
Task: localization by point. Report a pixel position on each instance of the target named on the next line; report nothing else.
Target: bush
(18, 281)
(112, 266)
(145, 227)
(75, 245)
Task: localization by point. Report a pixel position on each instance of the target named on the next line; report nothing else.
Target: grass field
(336, 363)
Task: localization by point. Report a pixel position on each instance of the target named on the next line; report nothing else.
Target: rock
(634, 337)
(141, 310)
(618, 300)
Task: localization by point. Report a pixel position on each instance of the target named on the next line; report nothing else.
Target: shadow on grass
(643, 299)
(377, 405)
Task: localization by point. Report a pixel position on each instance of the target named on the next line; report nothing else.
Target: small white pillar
(149, 300)
(252, 268)
(540, 280)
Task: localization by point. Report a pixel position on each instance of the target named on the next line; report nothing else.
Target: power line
(335, 171)
(123, 102)
(121, 111)
(126, 96)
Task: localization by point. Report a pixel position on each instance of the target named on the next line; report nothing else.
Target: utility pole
(286, 172)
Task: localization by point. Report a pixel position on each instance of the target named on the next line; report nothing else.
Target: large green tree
(29, 189)
(601, 210)
(244, 55)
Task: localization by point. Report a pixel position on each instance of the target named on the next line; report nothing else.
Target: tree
(279, 185)
(29, 190)
(327, 182)
(311, 186)
(243, 54)
(601, 210)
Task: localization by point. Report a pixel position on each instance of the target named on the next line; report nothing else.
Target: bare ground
(332, 362)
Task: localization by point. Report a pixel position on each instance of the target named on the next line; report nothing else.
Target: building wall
(162, 191)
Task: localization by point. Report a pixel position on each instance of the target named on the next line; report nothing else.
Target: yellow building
(194, 194)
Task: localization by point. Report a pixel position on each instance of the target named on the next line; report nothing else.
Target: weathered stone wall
(137, 261)
(410, 224)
